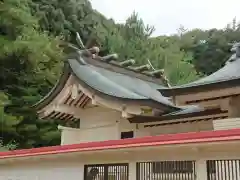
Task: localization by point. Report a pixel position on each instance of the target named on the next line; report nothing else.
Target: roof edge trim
(169, 139)
(175, 91)
(147, 102)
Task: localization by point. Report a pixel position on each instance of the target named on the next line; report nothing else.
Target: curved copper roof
(111, 84)
(119, 85)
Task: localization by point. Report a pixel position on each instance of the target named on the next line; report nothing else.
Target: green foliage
(7, 122)
(30, 63)
(66, 17)
(7, 147)
(210, 48)
(132, 41)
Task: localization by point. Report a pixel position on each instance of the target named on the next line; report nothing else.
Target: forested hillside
(31, 58)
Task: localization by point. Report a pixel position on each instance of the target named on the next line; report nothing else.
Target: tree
(30, 63)
(7, 122)
(7, 147)
(210, 48)
(66, 17)
(133, 41)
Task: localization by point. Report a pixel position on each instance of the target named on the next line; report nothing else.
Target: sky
(168, 15)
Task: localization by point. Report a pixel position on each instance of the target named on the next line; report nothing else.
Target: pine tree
(30, 63)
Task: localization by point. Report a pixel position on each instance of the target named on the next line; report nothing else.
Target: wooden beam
(188, 119)
(208, 95)
(116, 105)
(67, 109)
(79, 99)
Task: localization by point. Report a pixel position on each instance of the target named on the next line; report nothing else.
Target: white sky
(168, 15)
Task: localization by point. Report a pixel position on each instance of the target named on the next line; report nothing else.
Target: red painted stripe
(170, 139)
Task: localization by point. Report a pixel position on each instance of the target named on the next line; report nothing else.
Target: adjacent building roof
(228, 76)
(170, 139)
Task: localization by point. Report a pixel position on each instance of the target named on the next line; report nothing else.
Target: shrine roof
(230, 71)
(119, 85)
(113, 79)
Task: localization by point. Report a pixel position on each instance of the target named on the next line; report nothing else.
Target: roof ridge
(128, 64)
(111, 59)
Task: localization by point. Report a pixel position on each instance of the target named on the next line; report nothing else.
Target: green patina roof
(118, 85)
(230, 71)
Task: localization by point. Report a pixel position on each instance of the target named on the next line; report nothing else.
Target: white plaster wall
(99, 124)
(229, 123)
(142, 132)
(124, 125)
(70, 136)
(97, 117)
(47, 170)
(74, 136)
(67, 170)
(99, 134)
(71, 166)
